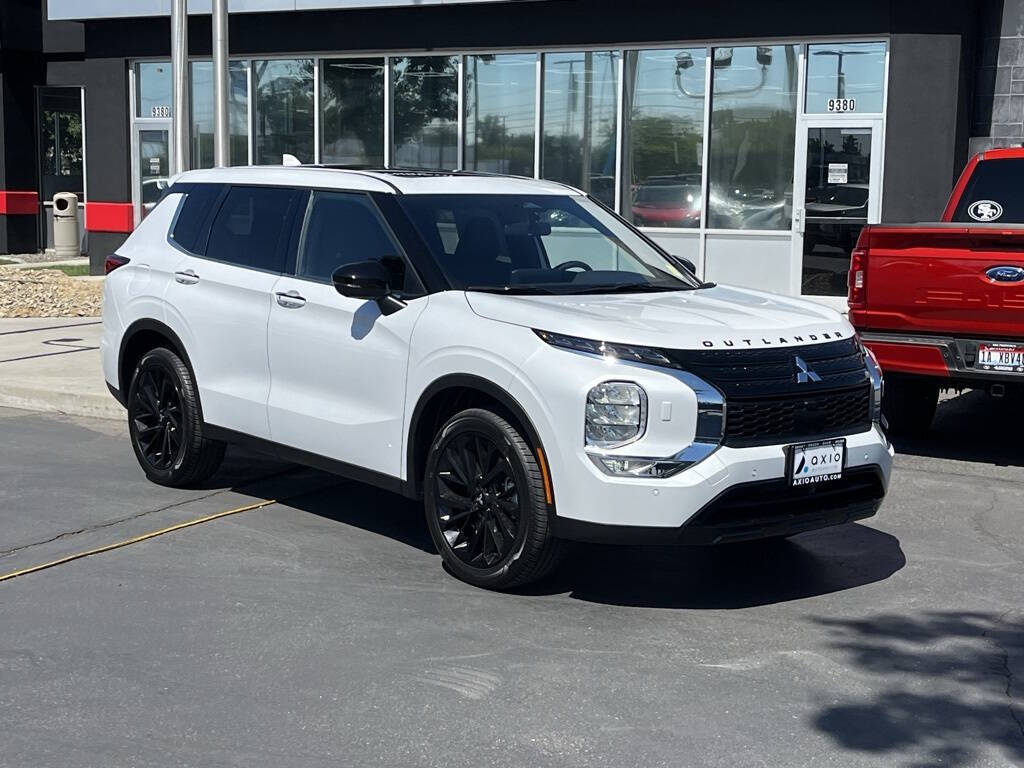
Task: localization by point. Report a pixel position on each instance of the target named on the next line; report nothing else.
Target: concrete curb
(92, 405)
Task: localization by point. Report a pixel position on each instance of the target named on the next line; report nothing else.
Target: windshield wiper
(628, 288)
(512, 290)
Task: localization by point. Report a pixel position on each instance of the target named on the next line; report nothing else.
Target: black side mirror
(687, 264)
(368, 280)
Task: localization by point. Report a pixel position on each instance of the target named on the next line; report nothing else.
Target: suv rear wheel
(486, 503)
(909, 405)
(165, 424)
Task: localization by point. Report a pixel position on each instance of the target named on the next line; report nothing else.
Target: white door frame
(874, 123)
(139, 125)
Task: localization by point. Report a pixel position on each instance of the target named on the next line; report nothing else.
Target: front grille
(785, 419)
(766, 404)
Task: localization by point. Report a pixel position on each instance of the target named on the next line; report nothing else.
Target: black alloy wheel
(165, 422)
(477, 500)
(486, 501)
(158, 419)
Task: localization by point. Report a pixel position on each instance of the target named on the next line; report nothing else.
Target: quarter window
(251, 227)
(342, 228)
(192, 226)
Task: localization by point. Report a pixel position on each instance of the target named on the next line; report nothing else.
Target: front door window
(836, 204)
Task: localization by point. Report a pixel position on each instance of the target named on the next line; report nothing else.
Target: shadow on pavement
(975, 652)
(973, 427)
(735, 576)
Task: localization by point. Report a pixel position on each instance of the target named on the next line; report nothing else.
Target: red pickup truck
(942, 305)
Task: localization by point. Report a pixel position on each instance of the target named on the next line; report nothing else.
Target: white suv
(508, 350)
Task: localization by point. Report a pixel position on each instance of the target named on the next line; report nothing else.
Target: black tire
(909, 405)
(488, 516)
(165, 422)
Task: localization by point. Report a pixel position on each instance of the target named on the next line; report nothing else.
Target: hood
(707, 318)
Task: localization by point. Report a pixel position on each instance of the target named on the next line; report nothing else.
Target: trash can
(66, 240)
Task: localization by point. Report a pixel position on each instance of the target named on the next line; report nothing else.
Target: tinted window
(250, 229)
(343, 228)
(993, 193)
(193, 222)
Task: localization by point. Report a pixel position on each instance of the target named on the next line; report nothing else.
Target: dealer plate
(820, 462)
(1001, 357)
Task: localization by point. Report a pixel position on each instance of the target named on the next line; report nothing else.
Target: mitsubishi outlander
(508, 350)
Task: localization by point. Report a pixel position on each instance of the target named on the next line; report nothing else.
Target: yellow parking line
(135, 540)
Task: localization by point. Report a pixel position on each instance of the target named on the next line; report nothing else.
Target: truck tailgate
(939, 279)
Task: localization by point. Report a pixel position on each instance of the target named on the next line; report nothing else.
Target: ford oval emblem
(1006, 274)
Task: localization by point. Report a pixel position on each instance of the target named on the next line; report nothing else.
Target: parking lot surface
(321, 630)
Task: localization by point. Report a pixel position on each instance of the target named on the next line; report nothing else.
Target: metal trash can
(66, 239)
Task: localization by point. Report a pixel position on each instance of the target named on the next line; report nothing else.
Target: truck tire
(909, 405)
(486, 505)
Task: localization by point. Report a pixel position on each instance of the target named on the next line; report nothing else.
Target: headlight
(616, 414)
(629, 352)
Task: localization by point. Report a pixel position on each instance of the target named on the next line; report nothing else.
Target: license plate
(1001, 357)
(812, 463)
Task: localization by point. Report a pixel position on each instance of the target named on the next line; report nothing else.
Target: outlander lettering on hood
(780, 341)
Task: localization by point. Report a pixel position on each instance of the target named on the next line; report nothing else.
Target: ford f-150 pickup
(942, 305)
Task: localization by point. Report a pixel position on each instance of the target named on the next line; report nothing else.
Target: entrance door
(835, 196)
(151, 164)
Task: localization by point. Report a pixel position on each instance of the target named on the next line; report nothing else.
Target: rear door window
(252, 227)
(994, 193)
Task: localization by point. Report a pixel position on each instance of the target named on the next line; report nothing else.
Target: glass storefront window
(845, 78)
(501, 92)
(753, 136)
(663, 152)
(153, 89)
(426, 113)
(284, 110)
(60, 141)
(203, 119)
(580, 102)
(352, 104)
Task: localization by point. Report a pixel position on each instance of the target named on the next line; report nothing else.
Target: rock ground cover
(47, 293)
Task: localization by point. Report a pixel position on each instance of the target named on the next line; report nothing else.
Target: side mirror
(368, 280)
(689, 265)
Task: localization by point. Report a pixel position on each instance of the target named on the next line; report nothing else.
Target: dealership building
(753, 138)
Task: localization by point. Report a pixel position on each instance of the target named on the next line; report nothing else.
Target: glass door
(151, 164)
(837, 192)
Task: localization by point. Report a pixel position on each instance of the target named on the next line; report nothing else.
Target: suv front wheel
(165, 424)
(486, 503)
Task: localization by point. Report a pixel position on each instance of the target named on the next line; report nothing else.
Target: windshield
(539, 244)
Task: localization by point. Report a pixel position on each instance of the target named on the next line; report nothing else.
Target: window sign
(838, 173)
(845, 77)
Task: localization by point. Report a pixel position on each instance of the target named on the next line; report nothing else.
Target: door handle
(290, 300)
(188, 277)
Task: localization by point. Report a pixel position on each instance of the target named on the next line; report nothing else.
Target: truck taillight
(114, 261)
(858, 279)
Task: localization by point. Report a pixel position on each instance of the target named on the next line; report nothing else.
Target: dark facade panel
(921, 158)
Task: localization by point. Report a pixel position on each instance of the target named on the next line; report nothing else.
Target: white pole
(221, 84)
(179, 70)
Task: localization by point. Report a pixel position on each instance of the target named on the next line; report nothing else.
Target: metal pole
(179, 73)
(221, 84)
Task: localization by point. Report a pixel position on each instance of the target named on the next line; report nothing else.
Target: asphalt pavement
(321, 630)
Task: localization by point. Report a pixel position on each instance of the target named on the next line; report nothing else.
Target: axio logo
(1006, 274)
(804, 372)
(985, 210)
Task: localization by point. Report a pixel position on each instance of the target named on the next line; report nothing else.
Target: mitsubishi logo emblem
(804, 372)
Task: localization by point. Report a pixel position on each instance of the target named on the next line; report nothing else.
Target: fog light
(616, 414)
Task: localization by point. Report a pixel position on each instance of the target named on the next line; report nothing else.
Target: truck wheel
(486, 505)
(909, 405)
(165, 425)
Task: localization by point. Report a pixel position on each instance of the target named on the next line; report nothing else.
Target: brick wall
(998, 108)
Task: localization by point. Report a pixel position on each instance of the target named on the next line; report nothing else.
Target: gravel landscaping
(47, 293)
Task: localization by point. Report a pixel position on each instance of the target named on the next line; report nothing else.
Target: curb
(91, 405)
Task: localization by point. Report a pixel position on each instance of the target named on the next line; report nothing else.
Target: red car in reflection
(668, 202)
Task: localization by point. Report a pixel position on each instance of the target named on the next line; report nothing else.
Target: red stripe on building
(19, 203)
(109, 217)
